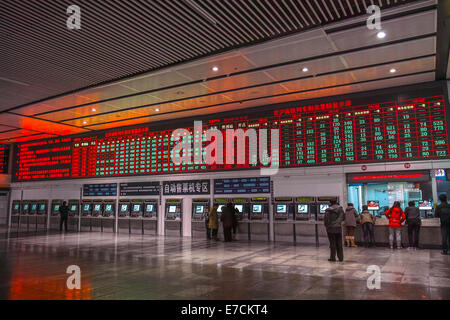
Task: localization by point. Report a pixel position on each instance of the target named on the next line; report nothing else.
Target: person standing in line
(64, 213)
(213, 222)
(208, 230)
(235, 222)
(396, 217)
(367, 221)
(334, 216)
(350, 225)
(443, 213)
(413, 222)
(227, 221)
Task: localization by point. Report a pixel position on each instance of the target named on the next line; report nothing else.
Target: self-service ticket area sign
(398, 176)
(186, 187)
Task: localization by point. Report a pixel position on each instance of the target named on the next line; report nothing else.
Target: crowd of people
(336, 218)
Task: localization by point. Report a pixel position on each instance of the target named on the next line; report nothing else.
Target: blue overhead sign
(242, 185)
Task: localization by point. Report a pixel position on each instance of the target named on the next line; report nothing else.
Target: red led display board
(330, 133)
(4, 158)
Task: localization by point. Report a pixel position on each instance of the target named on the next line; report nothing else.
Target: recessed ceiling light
(157, 109)
(305, 69)
(84, 122)
(393, 70)
(381, 34)
(93, 109)
(215, 68)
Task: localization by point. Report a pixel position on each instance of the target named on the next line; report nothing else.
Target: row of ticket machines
(284, 208)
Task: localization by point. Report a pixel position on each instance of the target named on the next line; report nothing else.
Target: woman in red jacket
(396, 217)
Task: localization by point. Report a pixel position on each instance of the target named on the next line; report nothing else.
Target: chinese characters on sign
(186, 187)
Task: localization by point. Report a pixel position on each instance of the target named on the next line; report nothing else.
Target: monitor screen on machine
(239, 207)
(172, 209)
(220, 207)
(281, 208)
(108, 207)
(257, 208)
(324, 207)
(124, 208)
(199, 209)
(302, 208)
(149, 208)
(136, 207)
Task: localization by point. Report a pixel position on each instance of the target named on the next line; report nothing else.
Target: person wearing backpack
(413, 221)
(334, 216)
(367, 221)
(396, 217)
(443, 213)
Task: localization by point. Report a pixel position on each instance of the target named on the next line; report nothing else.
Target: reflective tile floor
(122, 266)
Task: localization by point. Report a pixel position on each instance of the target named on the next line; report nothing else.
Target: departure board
(329, 133)
(4, 158)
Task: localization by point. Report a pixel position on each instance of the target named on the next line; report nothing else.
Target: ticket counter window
(381, 196)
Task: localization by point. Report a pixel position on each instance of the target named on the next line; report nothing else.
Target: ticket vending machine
(32, 212)
(259, 209)
(15, 212)
(221, 203)
(108, 214)
(33, 208)
(150, 216)
(25, 207)
(54, 212)
(109, 208)
(86, 208)
(42, 207)
(137, 207)
(97, 208)
(15, 207)
(74, 213)
(303, 208)
(173, 217)
(124, 208)
(151, 209)
(56, 204)
(200, 209)
(283, 208)
(323, 203)
(243, 208)
(74, 208)
(259, 218)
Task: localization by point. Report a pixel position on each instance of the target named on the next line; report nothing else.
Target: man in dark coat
(443, 213)
(227, 221)
(64, 212)
(334, 216)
